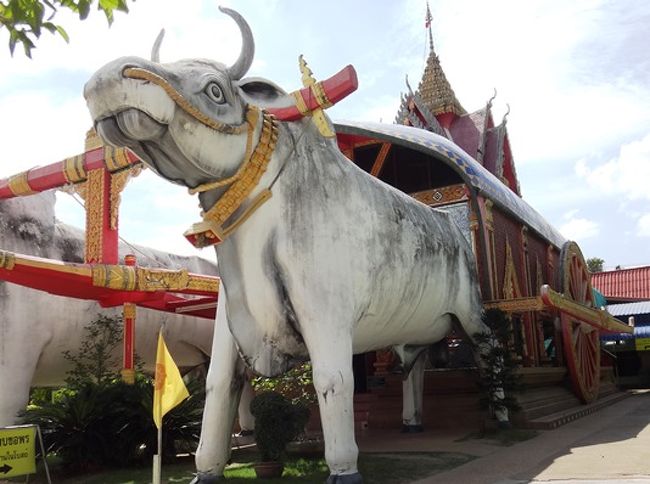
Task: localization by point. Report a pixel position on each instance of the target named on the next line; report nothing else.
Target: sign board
(17, 451)
(642, 344)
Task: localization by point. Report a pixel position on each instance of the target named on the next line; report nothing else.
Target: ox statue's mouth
(144, 135)
(129, 126)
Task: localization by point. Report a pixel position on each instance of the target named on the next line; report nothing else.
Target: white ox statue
(334, 263)
(36, 327)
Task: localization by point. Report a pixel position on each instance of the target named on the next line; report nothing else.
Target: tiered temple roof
(434, 107)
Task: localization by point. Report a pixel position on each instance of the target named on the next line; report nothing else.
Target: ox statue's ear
(262, 92)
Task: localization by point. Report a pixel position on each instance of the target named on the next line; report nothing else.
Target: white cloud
(571, 214)
(578, 229)
(643, 225)
(39, 129)
(627, 174)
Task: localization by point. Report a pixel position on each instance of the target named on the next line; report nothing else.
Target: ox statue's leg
(331, 358)
(222, 392)
(16, 380)
(412, 390)
(246, 419)
(21, 346)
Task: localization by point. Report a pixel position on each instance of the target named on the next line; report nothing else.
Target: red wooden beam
(69, 171)
(335, 88)
(113, 285)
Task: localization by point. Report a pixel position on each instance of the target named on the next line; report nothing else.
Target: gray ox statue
(36, 327)
(333, 263)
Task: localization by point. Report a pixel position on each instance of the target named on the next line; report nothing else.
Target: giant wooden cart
(526, 267)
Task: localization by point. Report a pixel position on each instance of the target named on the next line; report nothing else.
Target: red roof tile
(630, 284)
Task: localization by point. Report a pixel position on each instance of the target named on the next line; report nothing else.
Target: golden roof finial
(434, 87)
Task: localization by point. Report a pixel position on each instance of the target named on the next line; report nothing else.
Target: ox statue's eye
(215, 93)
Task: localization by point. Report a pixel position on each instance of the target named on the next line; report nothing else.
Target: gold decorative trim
(316, 88)
(115, 158)
(300, 103)
(114, 277)
(518, 305)
(203, 283)
(489, 217)
(318, 91)
(181, 102)
(93, 141)
(134, 278)
(73, 169)
(255, 168)
(540, 277)
(19, 184)
(511, 288)
(442, 195)
(595, 317)
(161, 280)
(252, 117)
(128, 311)
(7, 260)
(233, 198)
(94, 214)
(128, 375)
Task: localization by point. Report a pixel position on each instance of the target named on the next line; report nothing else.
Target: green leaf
(12, 45)
(84, 9)
(28, 45)
(63, 33)
(109, 5)
(50, 27)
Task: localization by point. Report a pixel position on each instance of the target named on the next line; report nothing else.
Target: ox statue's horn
(243, 63)
(155, 50)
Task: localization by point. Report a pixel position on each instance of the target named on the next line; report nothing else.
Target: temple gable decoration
(435, 107)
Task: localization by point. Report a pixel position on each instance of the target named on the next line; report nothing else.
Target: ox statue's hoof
(412, 429)
(344, 479)
(204, 478)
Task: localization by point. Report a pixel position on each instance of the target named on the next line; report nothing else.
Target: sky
(575, 74)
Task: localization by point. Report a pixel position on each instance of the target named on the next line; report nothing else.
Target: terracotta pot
(268, 470)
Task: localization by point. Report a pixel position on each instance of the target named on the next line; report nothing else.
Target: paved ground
(612, 444)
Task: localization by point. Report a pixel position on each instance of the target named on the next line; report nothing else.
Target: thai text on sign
(17, 451)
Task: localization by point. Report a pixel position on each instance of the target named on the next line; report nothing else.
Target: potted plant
(277, 422)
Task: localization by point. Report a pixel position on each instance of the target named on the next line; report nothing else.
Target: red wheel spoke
(581, 341)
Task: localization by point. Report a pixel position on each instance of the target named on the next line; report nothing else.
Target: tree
(496, 350)
(95, 361)
(595, 264)
(26, 19)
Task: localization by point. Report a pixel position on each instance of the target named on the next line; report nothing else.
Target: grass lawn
(504, 437)
(393, 468)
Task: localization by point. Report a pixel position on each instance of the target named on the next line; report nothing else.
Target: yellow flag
(169, 388)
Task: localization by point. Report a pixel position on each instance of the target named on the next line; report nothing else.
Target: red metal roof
(623, 284)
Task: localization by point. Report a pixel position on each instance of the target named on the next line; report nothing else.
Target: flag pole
(157, 460)
(169, 391)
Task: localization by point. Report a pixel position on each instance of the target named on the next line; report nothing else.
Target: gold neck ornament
(212, 230)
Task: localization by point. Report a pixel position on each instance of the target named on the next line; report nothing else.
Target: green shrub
(277, 422)
(99, 421)
(295, 385)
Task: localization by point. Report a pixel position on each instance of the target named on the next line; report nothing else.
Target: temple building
(435, 107)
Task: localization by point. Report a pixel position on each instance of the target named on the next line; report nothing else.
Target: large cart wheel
(581, 341)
